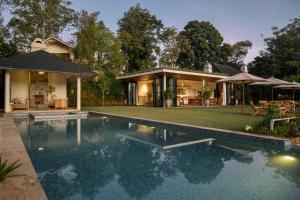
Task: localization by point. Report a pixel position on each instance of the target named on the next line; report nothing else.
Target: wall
(19, 84)
(59, 81)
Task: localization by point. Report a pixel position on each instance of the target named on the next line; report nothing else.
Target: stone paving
(26, 186)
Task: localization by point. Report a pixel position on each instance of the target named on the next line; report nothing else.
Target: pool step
(58, 116)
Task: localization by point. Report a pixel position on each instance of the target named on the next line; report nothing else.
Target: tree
(282, 55)
(36, 18)
(98, 47)
(140, 33)
(171, 47)
(205, 42)
(7, 49)
(239, 52)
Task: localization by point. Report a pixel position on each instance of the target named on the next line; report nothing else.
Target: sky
(235, 19)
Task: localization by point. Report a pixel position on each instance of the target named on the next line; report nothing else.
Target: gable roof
(58, 40)
(224, 69)
(43, 61)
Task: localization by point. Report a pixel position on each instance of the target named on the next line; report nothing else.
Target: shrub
(281, 128)
(6, 169)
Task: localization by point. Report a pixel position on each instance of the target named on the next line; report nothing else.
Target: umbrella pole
(272, 93)
(243, 98)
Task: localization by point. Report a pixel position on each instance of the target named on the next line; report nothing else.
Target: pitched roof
(58, 40)
(224, 69)
(43, 61)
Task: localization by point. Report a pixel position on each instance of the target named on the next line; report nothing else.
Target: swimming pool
(111, 158)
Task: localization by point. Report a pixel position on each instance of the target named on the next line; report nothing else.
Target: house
(147, 87)
(27, 77)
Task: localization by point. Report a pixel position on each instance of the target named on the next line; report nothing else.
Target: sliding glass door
(131, 94)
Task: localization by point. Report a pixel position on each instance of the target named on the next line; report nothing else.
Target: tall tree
(140, 33)
(282, 55)
(171, 47)
(39, 18)
(205, 45)
(99, 48)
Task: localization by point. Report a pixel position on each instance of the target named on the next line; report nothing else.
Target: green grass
(228, 117)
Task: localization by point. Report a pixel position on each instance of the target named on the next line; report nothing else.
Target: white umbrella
(272, 81)
(243, 78)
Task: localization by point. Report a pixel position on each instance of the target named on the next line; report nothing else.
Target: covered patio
(37, 81)
(147, 88)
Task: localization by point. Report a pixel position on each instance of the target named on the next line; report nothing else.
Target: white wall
(59, 81)
(19, 84)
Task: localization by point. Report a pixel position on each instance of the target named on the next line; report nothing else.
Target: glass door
(132, 93)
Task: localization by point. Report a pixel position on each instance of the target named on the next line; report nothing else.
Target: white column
(203, 88)
(224, 95)
(78, 93)
(78, 131)
(164, 88)
(7, 92)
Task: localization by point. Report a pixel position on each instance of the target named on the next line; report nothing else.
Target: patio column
(7, 92)
(78, 93)
(164, 88)
(203, 88)
(224, 103)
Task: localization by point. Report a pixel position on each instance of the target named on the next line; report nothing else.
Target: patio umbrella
(292, 86)
(272, 81)
(243, 78)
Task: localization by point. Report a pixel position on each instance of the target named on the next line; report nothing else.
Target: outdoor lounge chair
(258, 110)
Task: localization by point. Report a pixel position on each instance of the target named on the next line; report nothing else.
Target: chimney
(244, 69)
(38, 44)
(207, 68)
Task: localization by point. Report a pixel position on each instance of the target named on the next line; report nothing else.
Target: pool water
(112, 158)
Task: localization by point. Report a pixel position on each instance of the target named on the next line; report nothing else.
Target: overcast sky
(235, 19)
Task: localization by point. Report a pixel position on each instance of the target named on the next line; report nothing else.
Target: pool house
(147, 88)
(26, 78)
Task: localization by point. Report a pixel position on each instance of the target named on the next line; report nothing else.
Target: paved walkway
(25, 187)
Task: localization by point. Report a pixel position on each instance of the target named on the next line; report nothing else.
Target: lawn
(228, 117)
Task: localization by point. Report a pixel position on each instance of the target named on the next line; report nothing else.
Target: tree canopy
(35, 18)
(205, 42)
(140, 33)
(281, 58)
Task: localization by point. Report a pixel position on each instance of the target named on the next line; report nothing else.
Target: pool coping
(26, 187)
(284, 141)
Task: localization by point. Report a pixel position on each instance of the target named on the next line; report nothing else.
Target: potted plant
(168, 96)
(206, 97)
(50, 93)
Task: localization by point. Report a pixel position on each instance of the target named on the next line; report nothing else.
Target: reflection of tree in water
(202, 163)
(140, 168)
(199, 163)
(286, 164)
(94, 171)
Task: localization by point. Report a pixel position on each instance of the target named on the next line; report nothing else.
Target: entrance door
(132, 93)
